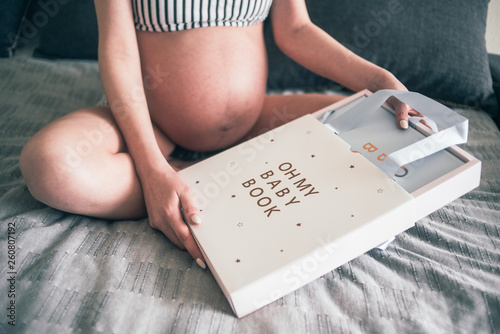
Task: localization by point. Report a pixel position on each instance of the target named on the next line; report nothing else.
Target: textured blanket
(62, 273)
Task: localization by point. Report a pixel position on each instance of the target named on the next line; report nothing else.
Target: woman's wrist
(384, 79)
(149, 162)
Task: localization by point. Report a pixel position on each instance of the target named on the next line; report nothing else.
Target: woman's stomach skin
(205, 87)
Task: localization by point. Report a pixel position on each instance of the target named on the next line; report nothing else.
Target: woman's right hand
(165, 195)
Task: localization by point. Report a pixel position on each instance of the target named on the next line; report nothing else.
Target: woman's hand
(167, 199)
(386, 80)
(403, 112)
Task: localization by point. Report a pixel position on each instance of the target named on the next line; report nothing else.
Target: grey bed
(79, 274)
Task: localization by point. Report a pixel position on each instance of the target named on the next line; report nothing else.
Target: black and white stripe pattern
(174, 15)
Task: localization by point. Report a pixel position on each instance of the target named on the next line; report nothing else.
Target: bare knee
(56, 162)
(47, 171)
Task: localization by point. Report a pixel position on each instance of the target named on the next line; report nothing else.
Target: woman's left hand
(387, 80)
(403, 112)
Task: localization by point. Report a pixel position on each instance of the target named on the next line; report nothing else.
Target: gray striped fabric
(77, 274)
(174, 15)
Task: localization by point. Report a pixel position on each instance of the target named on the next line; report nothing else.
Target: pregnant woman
(187, 74)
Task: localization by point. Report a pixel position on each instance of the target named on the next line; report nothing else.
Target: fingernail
(196, 219)
(404, 124)
(201, 263)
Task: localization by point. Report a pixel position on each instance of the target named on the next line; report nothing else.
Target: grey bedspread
(78, 274)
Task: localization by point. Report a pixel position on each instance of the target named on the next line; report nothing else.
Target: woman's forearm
(119, 65)
(323, 55)
(127, 101)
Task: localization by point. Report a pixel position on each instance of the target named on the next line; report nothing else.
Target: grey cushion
(437, 48)
(71, 33)
(11, 14)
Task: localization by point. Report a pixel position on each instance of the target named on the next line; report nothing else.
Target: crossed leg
(80, 164)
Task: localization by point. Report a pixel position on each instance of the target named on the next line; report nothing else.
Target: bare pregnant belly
(205, 87)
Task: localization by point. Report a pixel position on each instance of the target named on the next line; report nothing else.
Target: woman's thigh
(281, 109)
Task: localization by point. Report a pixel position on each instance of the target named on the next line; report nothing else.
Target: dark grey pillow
(437, 48)
(495, 75)
(11, 15)
(71, 32)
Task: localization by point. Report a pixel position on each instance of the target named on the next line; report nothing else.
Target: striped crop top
(174, 15)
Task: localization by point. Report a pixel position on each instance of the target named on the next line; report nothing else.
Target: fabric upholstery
(11, 17)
